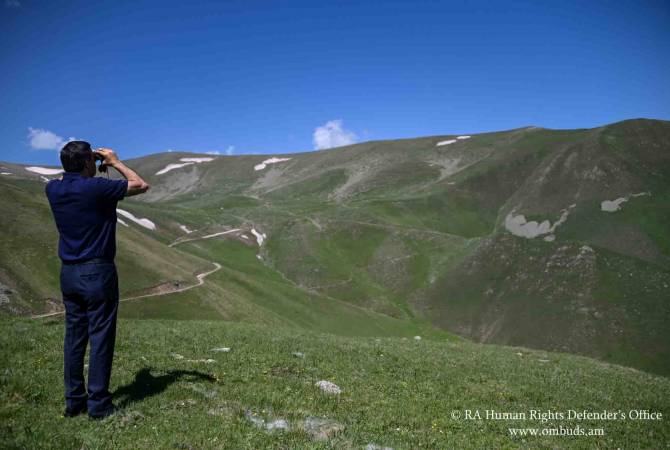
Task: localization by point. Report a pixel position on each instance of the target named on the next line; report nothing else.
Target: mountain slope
(554, 239)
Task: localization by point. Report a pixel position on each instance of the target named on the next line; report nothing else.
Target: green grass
(397, 393)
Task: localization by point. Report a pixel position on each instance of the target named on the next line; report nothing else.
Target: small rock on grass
(271, 425)
(298, 354)
(130, 418)
(321, 429)
(221, 349)
(328, 387)
(377, 447)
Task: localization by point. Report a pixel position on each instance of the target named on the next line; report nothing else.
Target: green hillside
(177, 392)
(550, 239)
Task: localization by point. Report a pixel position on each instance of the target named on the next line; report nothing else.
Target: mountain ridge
(549, 238)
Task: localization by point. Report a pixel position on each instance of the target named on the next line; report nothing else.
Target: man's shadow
(146, 385)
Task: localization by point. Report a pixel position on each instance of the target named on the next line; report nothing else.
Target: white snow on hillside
(184, 162)
(185, 229)
(450, 141)
(518, 226)
(615, 205)
(122, 222)
(5, 173)
(146, 223)
(196, 160)
(44, 170)
(260, 237)
(463, 137)
(170, 167)
(273, 160)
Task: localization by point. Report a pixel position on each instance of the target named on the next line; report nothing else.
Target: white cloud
(332, 134)
(46, 140)
(230, 150)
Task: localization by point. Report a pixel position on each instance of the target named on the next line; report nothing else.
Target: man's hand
(108, 155)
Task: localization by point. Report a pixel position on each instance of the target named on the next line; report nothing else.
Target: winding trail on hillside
(200, 277)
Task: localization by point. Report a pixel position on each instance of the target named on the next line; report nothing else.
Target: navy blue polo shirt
(84, 209)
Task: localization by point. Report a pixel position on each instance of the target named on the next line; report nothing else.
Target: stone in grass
(377, 447)
(298, 354)
(328, 387)
(185, 403)
(130, 418)
(269, 425)
(221, 349)
(320, 428)
(417, 338)
(176, 356)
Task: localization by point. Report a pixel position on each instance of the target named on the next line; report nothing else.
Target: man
(84, 208)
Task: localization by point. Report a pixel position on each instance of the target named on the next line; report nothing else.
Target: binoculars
(98, 157)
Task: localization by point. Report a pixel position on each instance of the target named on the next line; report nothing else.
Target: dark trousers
(91, 298)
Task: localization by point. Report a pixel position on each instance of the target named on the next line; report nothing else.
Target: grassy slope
(397, 393)
(28, 251)
(247, 290)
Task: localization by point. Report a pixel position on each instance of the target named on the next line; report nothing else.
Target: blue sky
(268, 77)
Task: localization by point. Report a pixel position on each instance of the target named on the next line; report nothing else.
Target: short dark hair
(74, 155)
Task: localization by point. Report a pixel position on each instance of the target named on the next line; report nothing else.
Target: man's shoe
(74, 412)
(106, 413)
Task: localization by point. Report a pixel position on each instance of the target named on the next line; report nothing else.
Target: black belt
(87, 261)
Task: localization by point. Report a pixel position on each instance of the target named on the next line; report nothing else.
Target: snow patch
(146, 223)
(615, 205)
(185, 229)
(44, 170)
(184, 162)
(265, 163)
(170, 167)
(260, 237)
(221, 349)
(5, 173)
(328, 387)
(441, 143)
(196, 160)
(518, 226)
(122, 222)
(463, 137)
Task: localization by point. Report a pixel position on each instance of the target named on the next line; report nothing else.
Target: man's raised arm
(136, 185)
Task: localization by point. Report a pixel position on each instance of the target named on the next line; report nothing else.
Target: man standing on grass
(84, 208)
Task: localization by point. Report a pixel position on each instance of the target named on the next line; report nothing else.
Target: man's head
(77, 156)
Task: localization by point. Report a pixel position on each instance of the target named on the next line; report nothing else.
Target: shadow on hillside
(147, 385)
